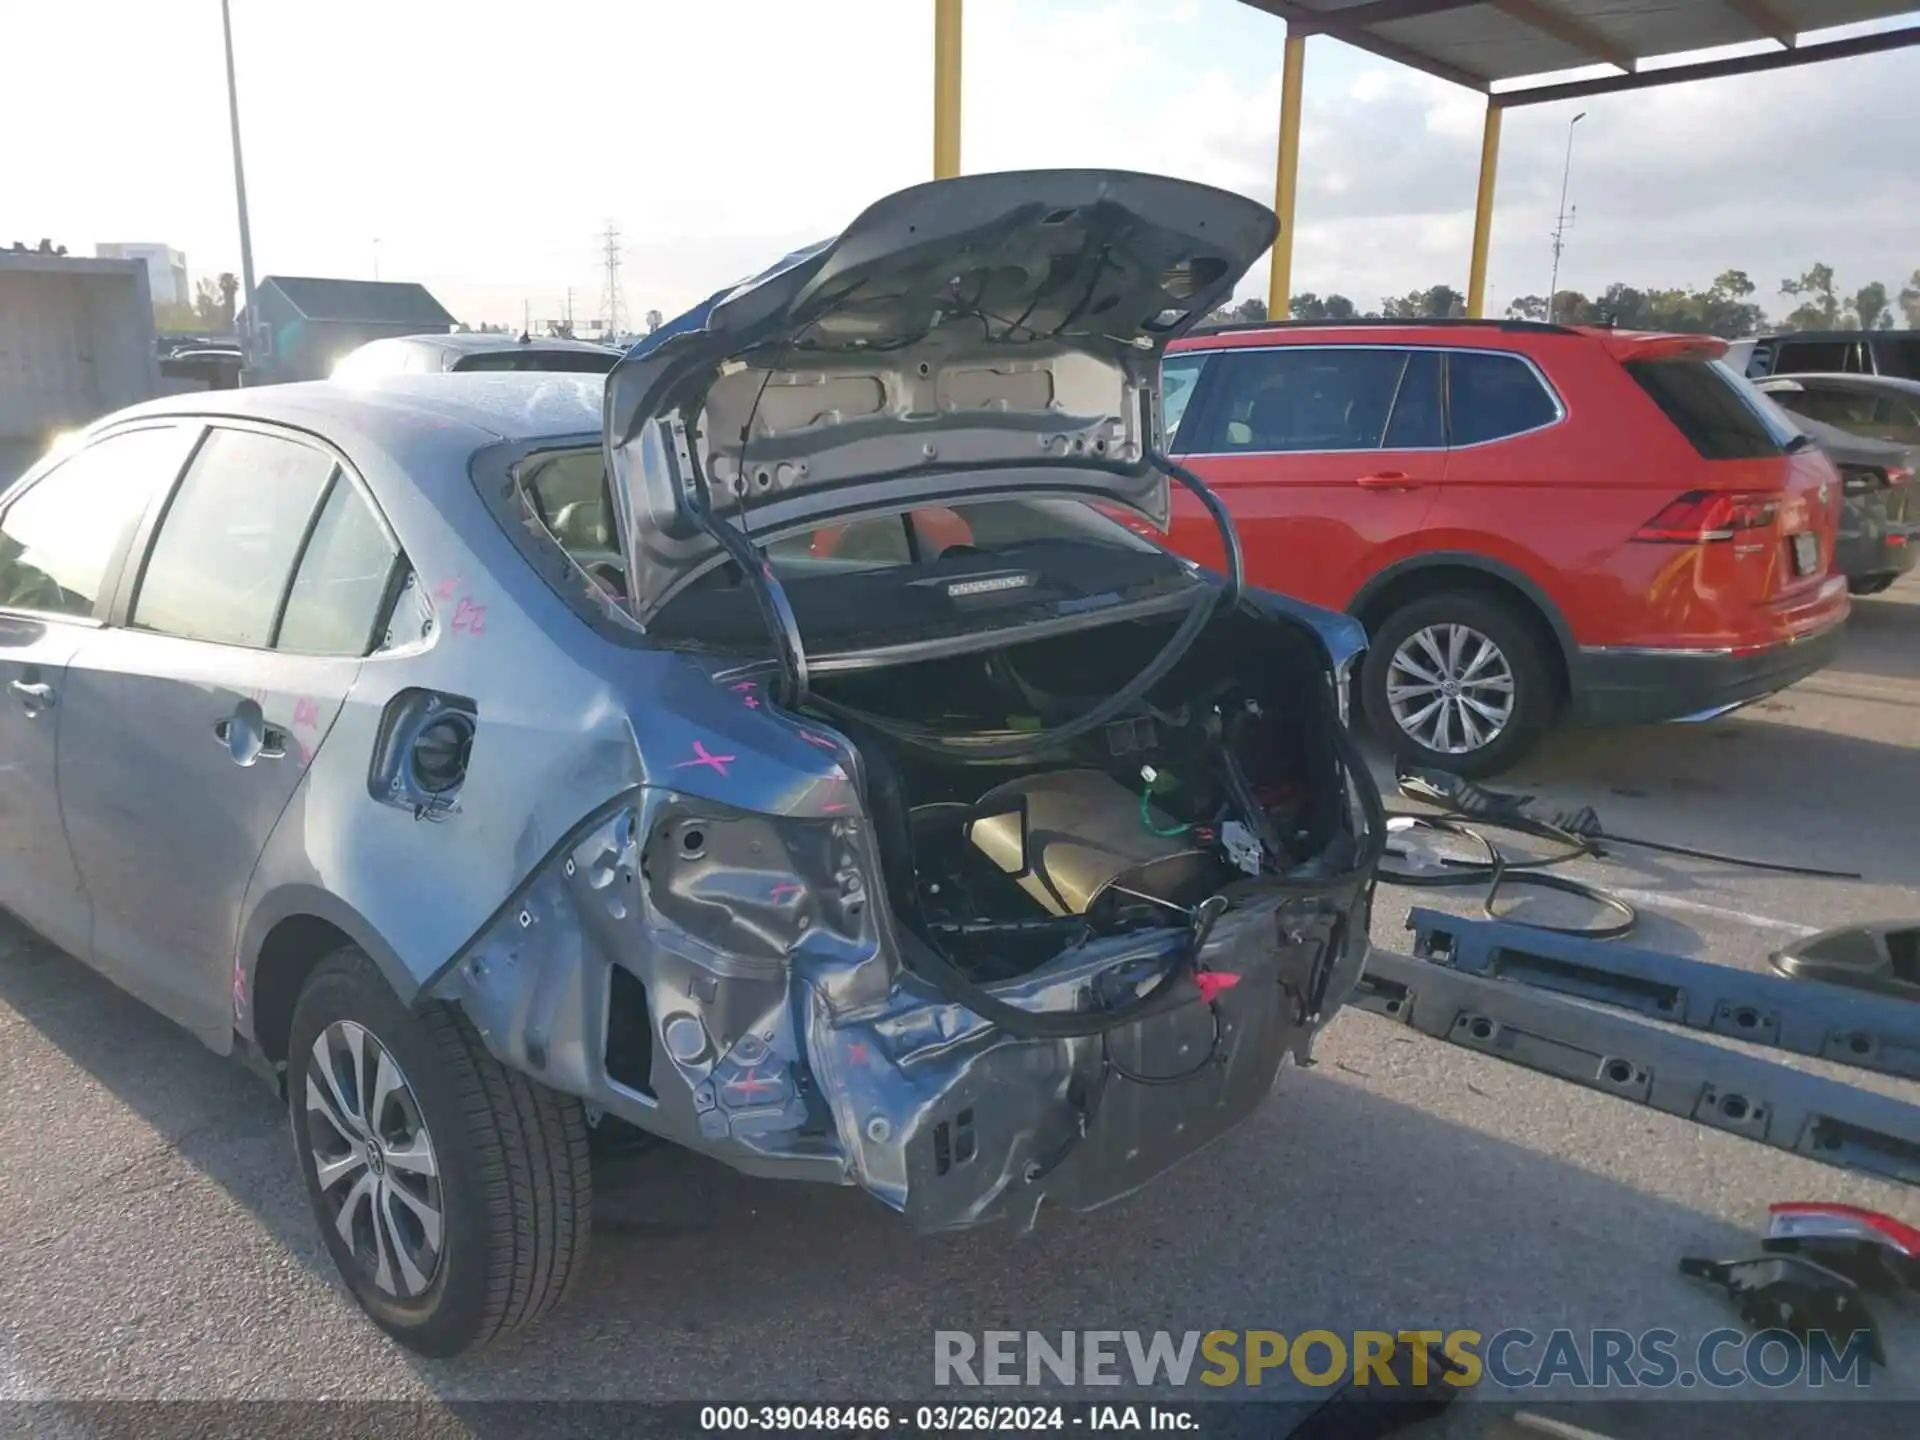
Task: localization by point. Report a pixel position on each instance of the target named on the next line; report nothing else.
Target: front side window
(1301, 399)
(58, 539)
(340, 589)
(1492, 397)
(1179, 378)
(228, 540)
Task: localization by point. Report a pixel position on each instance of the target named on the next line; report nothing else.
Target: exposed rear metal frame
(1506, 991)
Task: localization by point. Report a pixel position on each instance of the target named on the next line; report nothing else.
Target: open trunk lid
(990, 335)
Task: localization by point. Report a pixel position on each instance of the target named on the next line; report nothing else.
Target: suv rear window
(1722, 414)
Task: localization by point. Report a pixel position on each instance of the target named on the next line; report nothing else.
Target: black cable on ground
(1462, 806)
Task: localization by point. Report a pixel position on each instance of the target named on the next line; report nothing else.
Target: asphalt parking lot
(156, 1242)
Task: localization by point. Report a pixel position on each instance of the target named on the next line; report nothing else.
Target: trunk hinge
(775, 609)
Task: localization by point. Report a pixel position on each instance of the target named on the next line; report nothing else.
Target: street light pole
(1560, 227)
(248, 336)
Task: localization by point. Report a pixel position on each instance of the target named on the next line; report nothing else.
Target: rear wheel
(453, 1193)
(1870, 584)
(1458, 682)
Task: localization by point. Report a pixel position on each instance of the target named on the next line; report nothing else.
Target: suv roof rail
(1525, 327)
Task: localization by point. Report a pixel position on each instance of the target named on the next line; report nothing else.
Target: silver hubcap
(373, 1158)
(1450, 688)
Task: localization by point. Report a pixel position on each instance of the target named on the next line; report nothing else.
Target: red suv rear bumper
(1641, 685)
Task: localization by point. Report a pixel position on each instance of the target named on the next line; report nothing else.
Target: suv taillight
(1898, 475)
(1702, 515)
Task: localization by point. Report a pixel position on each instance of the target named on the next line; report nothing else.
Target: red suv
(1531, 520)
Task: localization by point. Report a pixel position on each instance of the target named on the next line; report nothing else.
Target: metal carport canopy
(1517, 52)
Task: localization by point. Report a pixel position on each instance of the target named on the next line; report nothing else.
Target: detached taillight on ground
(1700, 516)
(1803, 1219)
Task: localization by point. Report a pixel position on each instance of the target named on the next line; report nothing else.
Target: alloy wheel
(1451, 689)
(373, 1160)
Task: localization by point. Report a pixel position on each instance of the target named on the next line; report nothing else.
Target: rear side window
(1418, 421)
(340, 589)
(1722, 414)
(1898, 357)
(228, 540)
(59, 538)
(1492, 397)
(1301, 398)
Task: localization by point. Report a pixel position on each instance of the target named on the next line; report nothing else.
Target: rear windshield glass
(875, 573)
(576, 361)
(1722, 414)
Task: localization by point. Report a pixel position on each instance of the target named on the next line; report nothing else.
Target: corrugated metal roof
(383, 302)
(1488, 43)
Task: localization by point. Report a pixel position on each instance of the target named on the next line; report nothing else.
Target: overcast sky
(485, 148)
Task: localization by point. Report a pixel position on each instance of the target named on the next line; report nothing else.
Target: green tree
(1820, 304)
(1910, 301)
(213, 301)
(172, 318)
(1873, 307)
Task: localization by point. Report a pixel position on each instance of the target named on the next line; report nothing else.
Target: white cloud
(487, 147)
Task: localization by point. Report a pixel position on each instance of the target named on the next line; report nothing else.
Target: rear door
(188, 724)
(1328, 457)
(63, 539)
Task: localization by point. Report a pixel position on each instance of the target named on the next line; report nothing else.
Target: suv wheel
(453, 1193)
(1871, 584)
(1458, 682)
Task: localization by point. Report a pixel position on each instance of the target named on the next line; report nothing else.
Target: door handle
(1389, 480)
(246, 745)
(34, 697)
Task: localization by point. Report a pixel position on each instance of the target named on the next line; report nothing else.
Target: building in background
(310, 324)
(166, 269)
(76, 343)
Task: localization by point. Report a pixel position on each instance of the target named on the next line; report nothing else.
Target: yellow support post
(1483, 214)
(946, 89)
(1286, 178)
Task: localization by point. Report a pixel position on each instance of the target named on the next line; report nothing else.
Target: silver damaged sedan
(792, 745)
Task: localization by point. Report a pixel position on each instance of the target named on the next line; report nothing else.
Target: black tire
(1870, 584)
(514, 1183)
(1536, 688)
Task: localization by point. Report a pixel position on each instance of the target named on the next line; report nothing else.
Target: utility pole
(376, 257)
(1564, 223)
(569, 319)
(248, 339)
(611, 300)
(526, 317)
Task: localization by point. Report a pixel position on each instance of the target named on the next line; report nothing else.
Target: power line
(612, 303)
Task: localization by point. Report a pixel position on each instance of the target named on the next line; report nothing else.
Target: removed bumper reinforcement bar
(1697, 1080)
(1829, 1023)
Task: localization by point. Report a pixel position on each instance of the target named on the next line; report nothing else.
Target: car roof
(464, 411)
(475, 343)
(1298, 329)
(1837, 380)
(1623, 345)
(1796, 336)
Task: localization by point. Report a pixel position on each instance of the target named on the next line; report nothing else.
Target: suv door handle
(1389, 480)
(34, 697)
